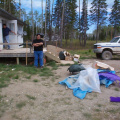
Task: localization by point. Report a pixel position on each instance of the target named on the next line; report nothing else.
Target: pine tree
(98, 14)
(57, 16)
(115, 16)
(70, 17)
(10, 6)
(48, 19)
(84, 22)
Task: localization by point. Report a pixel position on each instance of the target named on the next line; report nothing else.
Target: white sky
(26, 4)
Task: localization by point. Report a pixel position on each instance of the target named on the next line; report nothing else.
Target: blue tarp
(77, 92)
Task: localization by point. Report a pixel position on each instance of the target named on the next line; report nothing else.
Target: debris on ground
(59, 55)
(114, 99)
(89, 79)
(76, 57)
(100, 65)
(76, 68)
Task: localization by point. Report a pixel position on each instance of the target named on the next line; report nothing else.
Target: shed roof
(9, 16)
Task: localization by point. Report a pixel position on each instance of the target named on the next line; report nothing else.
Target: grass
(31, 97)
(28, 77)
(7, 74)
(99, 105)
(21, 104)
(46, 72)
(84, 54)
(3, 105)
(53, 65)
(16, 77)
(116, 89)
(97, 110)
(87, 115)
(35, 80)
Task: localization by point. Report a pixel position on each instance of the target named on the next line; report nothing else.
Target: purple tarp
(110, 76)
(114, 99)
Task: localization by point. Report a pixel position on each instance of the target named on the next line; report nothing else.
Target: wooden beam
(12, 43)
(16, 55)
(53, 57)
(17, 60)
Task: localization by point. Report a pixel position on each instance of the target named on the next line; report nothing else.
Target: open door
(12, 24)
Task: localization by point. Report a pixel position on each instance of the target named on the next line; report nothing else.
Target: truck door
(12, 24)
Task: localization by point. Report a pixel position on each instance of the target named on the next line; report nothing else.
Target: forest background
(68, 21)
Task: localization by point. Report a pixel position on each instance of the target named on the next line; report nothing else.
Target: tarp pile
(89, 80)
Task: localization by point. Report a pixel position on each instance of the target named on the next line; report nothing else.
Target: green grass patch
(3, 106)
(116, 89)
(35, 80)
(65, 64)
(7, 73)
(4, 80)
(113, 111)
(21, 104)
(31, 97)
(87, 115)
(97, 110)
(53, 65)
(16, 77)
(28, 77)
(46, 72)
(99, 105)
(84, 54)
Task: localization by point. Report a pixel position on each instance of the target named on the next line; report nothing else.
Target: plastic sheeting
(88, 80)
(83, 83)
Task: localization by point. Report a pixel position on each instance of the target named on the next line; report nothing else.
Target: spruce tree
(84, 22)
(98, 14)
(115, 16)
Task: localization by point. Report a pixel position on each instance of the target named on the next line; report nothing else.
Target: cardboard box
(68, 58)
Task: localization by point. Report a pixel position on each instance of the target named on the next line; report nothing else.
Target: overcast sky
(26, 4)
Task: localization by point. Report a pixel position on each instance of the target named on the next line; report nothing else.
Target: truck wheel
(106, 55)
(98, 55)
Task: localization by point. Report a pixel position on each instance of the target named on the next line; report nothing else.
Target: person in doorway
(38, 51)
(6, 31)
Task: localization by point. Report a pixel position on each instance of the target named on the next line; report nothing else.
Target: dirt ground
(48, 100)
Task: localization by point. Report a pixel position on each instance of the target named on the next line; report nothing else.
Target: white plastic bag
(88, 80)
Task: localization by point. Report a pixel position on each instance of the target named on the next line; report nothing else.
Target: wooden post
(26, 51)
(17, 60)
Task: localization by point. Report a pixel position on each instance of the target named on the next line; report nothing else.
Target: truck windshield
(114, 40)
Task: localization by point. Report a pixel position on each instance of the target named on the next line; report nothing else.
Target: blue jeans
(38, 55)
(7, 40)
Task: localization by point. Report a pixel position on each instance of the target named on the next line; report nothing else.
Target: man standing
(6, 31)
(38, 51)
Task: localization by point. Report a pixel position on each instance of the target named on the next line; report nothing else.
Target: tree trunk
(45, 21)
(79, 25)
(62, 24)
(9, 6)
(52, 16)
(32, 21)
(42, 16)
(20, 9)
(4, 4)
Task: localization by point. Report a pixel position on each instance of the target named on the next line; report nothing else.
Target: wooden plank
(12, 43)
(16, 55)
(51, 56)
(66, 62)
(54, 50)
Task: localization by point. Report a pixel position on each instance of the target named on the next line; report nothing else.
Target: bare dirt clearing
(42, 98)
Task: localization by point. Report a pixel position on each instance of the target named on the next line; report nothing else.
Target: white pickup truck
(106, 50)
